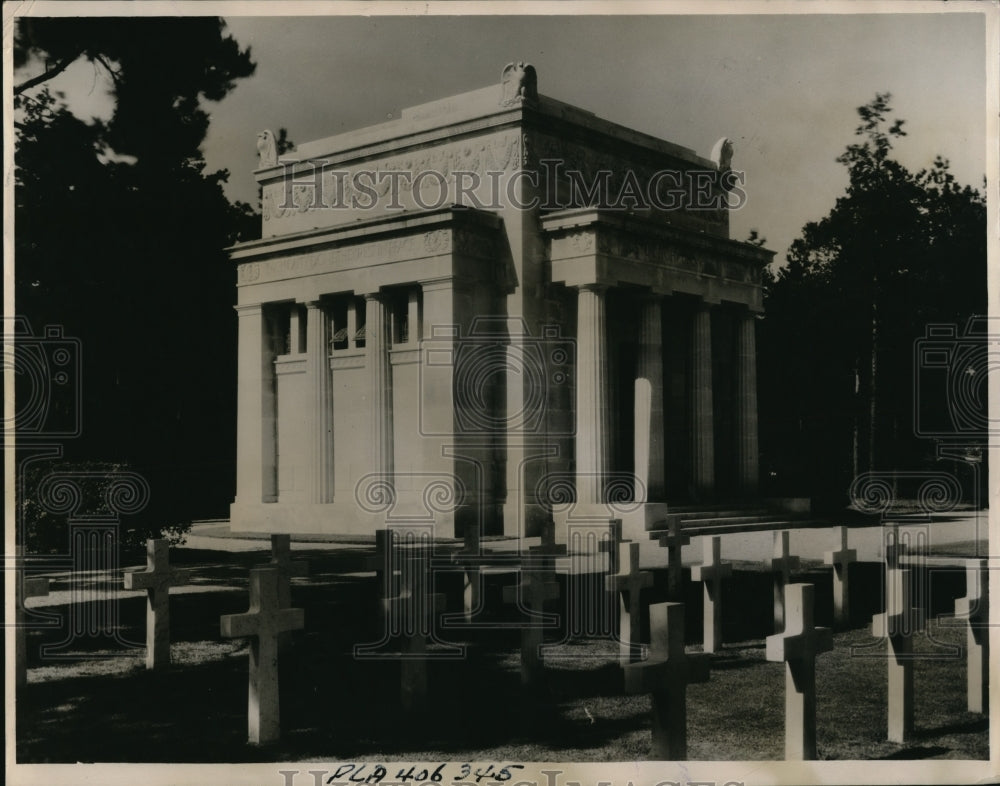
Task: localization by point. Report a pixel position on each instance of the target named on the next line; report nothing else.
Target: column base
(525, 520)
(633, 517)
(636, 523)
(349, 518)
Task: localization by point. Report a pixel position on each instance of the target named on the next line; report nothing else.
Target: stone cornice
(379, 228)
(456, 117)
(569, 122)
(591, 246)
(396, 146)
(581, 219)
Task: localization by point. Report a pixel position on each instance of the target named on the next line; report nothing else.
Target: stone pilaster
(321, 434)
(592, 414)
(256, 478)
(702, 416)
(649, 433)
(377, 333)
(747, 454)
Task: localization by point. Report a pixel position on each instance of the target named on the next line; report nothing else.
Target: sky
(785, 89)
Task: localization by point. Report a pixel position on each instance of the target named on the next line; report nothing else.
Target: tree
(120, 238)
(898, 251)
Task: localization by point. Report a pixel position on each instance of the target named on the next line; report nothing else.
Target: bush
(51, 494)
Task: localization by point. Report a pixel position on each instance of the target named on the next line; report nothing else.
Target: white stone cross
(471, 559)
(472, 583)
(897, 624)
(782, 565)
(841, 559)
(673, 542)
(261, 624)
(974, 609)
(610, 545)
(281, 558)
(712, 571)
(798, 645)
(382, 563)
(412, 614)
(894, 548)
(157, 579)
(536, 586)
(26, 588)
(629, 581)
(666, 675)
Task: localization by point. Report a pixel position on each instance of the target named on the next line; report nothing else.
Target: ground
(99, 704)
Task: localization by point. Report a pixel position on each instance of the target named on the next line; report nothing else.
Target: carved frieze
(344, 257)
(581, 242)
(247, 273)
(653, 250)
(388, 183)
(437, 241)
(615, 179)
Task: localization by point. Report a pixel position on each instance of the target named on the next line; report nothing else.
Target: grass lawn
(98, 703)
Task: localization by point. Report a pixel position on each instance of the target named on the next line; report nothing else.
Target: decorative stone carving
(267, 150)
(519, 84)
(437, 241)
(590, 163)
(722, 154)
(248, 272)
(494, 153)
(581, 241)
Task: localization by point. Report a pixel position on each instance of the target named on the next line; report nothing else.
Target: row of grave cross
(410, 607)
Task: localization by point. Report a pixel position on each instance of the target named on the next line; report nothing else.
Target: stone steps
(730, 521)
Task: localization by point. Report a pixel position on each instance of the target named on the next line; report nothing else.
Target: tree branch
(114, 74)
(45, 76)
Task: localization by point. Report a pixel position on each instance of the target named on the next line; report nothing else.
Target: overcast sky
(784, 88)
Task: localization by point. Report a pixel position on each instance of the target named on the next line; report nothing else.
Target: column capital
(596, 288)
(313, 304)
(248, 309)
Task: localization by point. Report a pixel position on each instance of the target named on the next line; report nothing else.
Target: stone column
(702, 426)
(747, 455)
(377, 327)
(256, 478)
(321, 434)
(592, 415)
(649, 434)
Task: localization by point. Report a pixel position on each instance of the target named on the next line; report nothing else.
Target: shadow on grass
(915, 752)
(334, 705)
(960, 727)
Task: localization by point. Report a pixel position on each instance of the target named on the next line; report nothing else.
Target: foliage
(47, 531)
(898, 251)
(120, 238)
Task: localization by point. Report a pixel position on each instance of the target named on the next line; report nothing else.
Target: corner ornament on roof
(519, 84)
(267, 150)
(722, 154)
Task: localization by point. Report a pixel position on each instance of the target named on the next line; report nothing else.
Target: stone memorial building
(498, 311)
